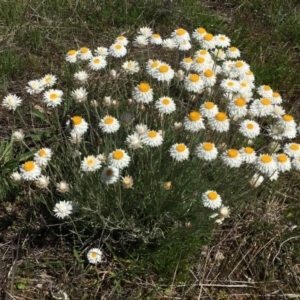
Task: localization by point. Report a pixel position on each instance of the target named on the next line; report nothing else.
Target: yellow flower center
(220, 116)
(29, 166)
(144, 87)
(249, 73)
(232, 153)
(250, 126)
(212, 196)
(230, 83)
(42, 152)
(53, 96)
(180, 147)
(109, 172)
(77, 120)
(249, 150)
(209, 105)
(168, 185)
(232, 49)
(108, 120)
(194, 116)
(118, 46)
(188, 60)
(267, 88)
(118, 154)
(201, 30)
(276, 95)
(282, 158)
(208, 73)
(243, 84)
(222, 38)
(163, 69)
(266, 158)
(90, 161)
(152, 134)
(194, 77)
(154, 64)
(294, 147)
(48, 79)
(240, 102)
(200, 60)
(72, 52)
(265, 101)
(97, 61)
(180, 31)
(156, 36)
(208, 37)
(239, 64)
(166, 101)
(288, 118)
(208, 146)
(94, 255)
(121, 38)
(84, 50)
(203, 52)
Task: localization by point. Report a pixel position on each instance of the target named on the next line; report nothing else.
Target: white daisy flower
(48, 80)
(140, 41)
(261, 107)
(62, 187)
(119, 159)
(117, 50)
(265, 91)
(287, 121)
(233, 53)
(276, 98)
(232, 158)
(11, 102)
(256, 180)
(278, 111)
(193, 122)
(180, 35)
(109, 124)
(208, 109)
(239, 69)
(71, 56)
(131, 66)
(222, 41)
(143, 93)
(94, 256)
(42, 182)
(248, 155)
(165, 105)
(200, 64)
(184, 46)
(110, 175)
(155, 39)
(152, 65)
(90, 164)
(85, 53)
(186, 63)
(43, 156)
(75, 138)
(102, 51)
(296, 163)
(152, 138)
(122, 40)
(169, 44)
(193, 83)
(237, 108)
(80, 126)
(283, 162)
(18, 136)
(97, 63)
(219, 54)
(209, 78)
(179, 152)
(163, 73)
(266, 164)
(145, 31)
(81, 76)
(219, 122)
(16, 177)
(30, 170)
(34, 87)
(79, 95)
(206, 151)
(229, 85)
(180, 75)
(199, 34)
(53, 98)
(250, 129)
(211, 199)
(134, 141)
(141, 129)
(63, 209)
(292, 149)
(208, 41)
